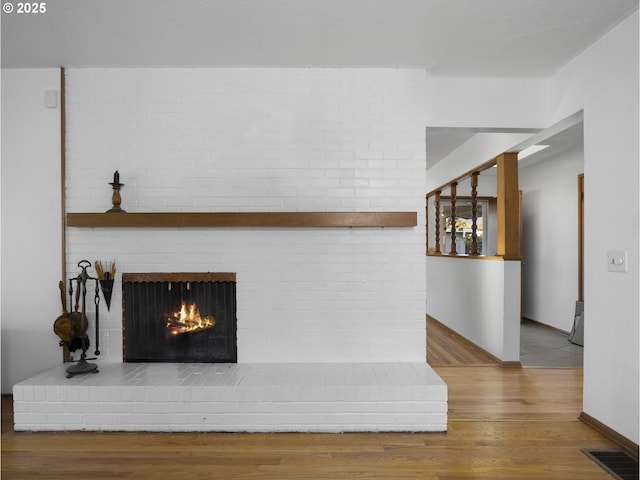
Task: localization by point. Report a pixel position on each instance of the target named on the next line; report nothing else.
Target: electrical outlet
(617, 261)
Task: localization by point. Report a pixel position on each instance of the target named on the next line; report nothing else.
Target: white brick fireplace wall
(240, 140)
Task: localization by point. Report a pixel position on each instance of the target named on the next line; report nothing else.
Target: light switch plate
(617, 261)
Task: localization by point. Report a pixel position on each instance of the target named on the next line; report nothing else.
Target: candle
(116, 177)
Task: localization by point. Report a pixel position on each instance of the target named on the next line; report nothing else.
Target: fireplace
(179, 317)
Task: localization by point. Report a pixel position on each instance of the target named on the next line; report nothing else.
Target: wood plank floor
(504, 423)
(445, 348)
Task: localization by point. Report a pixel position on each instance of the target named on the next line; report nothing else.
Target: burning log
(189, 320)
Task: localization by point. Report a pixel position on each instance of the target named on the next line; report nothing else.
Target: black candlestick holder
(115, 198)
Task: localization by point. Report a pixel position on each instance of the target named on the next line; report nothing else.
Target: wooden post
(66, 354)
(508, 205)
(426, 225)
(454, 191)
(581, 237)
(437, 221)
(474, 213)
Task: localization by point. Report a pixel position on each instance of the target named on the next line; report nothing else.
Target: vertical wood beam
(66, 355)
(581, 237)
(454, 191)
(426, 224)
(508, 205)
(474, 213)
(437, 221)
(63, 181)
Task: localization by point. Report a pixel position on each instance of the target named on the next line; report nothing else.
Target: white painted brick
(47, 407)
(81, 407)
(29, 418)
(148, 407)
(114, 407)
(252, 140)
(61, 419)
(20, 407)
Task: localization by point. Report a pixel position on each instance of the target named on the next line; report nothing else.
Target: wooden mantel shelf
(246, 219)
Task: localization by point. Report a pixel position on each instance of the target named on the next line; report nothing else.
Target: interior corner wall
(31, 224)
(603, 82)
(550, 238)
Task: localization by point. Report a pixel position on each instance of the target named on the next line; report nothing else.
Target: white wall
(604, 82)
(486, 102)
(262, 140)
(550, 238)
(31, 224)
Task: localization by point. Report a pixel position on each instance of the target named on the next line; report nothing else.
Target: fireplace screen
(179, 317)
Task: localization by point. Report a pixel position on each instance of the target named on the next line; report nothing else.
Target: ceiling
(488, 38)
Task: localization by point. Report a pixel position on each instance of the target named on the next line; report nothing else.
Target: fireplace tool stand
(82, 366)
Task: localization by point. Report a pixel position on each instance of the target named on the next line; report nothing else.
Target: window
(464, 222)
(485, 223)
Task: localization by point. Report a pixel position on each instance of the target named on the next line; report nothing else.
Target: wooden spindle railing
(474, 213)
(454, 249)
(507, 208)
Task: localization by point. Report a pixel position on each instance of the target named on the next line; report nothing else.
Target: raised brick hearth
(235, 397)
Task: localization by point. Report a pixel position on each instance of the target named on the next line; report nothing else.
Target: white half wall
(31, 224)
(479, 299)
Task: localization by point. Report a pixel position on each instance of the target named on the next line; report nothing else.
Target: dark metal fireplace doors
(179, 317)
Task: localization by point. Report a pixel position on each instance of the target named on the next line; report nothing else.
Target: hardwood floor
(504, 423)
(445, 348)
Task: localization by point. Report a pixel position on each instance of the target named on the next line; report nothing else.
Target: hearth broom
(106, 280)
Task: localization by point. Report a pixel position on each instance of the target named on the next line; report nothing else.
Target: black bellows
(147, 306)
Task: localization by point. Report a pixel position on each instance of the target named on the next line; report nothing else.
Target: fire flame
(188, 319)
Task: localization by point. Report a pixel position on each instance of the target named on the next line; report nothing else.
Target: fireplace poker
(96, 301)
(76, 306)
